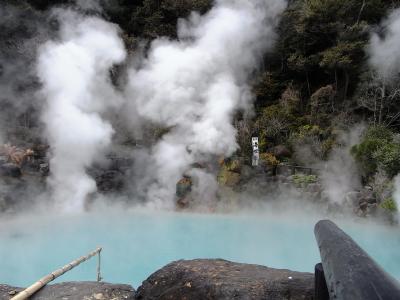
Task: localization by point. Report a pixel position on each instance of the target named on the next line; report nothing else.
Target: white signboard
(256, 153)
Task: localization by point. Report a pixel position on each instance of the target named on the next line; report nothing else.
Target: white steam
(340, 174)
(74, 71)
(192, 86)
(384, 51)
(195, 85)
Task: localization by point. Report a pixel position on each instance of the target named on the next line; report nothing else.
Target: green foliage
(305, 133)
(233, 165)
(327, 146)
(155, 18)
(322, 100)
(388, 158)
(263, 141)
(298, 62)
(342, 56)
(229, 175)
(317, 140)
(378, 150)
(183, 8)
(330, 11)
(275, 123)
(309, 130)
(379, 132)
(389, 204)
(269, 159)
(290, 99)
(301, 179)
(267, 88)
(322, 43)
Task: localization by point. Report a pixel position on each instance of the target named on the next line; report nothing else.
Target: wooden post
(98, 266)
(25, 294)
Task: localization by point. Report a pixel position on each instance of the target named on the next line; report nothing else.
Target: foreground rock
(203, 279)
(76, 291)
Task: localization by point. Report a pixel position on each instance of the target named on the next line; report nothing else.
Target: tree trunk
(308, 83)
(360, 13)
(336, 88)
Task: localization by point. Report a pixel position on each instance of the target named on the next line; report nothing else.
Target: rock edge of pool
(197, 279)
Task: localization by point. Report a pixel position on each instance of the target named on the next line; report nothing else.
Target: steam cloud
(194, 86)
(75, 76)
(340, 174)
(384, 51)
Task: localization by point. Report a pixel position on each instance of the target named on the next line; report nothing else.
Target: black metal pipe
(321, 290)
(350, 273)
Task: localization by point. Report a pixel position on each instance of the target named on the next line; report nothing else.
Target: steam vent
(199, 150)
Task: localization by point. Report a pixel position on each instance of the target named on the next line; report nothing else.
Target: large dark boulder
(203, 279)
(76, 291)
(110, 181)
(110, 175)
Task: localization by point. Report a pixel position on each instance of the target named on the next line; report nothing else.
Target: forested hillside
(324, 79)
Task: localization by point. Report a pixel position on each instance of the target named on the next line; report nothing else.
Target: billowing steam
(194, 86)
(340, 174)
(75, 74)
(384, 50)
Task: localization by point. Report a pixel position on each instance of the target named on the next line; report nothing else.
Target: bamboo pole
(29, 291)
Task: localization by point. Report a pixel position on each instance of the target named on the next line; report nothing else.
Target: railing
(25, 294)
(293, 169)
(348, 271)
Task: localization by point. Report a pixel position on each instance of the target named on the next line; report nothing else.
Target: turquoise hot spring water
(137, 243)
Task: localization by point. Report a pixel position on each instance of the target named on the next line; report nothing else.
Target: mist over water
(138, 242)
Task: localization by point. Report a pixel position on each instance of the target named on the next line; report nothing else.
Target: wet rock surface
(76, 291)
(203, 279)
(110, 177)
